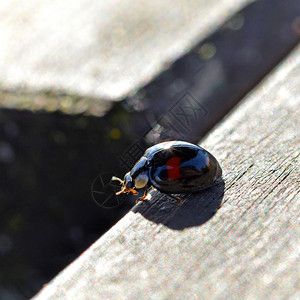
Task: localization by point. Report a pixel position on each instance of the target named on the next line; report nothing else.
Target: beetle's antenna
(122, 190)
(118, 179)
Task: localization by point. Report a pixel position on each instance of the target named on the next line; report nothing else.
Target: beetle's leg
(179, 202)
(142, 198)
(127, 190)
(133, 191)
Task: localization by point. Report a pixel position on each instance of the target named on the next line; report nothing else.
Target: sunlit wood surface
(237, 240)
(98, 48)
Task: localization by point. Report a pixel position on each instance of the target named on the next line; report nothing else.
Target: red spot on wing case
(173, 168)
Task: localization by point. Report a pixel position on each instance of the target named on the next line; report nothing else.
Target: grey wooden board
(241, 242)
(98, 48)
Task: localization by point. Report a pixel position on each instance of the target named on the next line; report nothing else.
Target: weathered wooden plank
(238, 242)
(98, 48)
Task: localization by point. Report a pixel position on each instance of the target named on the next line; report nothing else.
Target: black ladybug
(173, 167)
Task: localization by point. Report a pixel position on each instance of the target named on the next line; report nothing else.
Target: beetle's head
(129, 184)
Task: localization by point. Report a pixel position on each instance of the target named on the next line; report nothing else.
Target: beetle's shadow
(197, 208)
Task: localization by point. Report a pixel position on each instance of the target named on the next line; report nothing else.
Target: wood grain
(239, 239)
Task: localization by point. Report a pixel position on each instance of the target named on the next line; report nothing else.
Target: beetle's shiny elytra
(173, 167)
